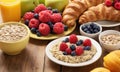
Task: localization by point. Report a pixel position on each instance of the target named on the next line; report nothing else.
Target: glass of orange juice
(10, 10)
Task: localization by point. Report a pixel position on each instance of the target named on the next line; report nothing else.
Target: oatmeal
(12, 32)
(85, 53)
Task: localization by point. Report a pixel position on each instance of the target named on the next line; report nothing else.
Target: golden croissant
(100, 12)
(75, 8)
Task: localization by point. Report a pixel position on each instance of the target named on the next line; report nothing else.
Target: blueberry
(37, 30)
(88, 26)
(49, 8)
(95, 31)
(88, 32)
(87, 48)
(64, 53)
(50, 24)
(73, 53)
(33, 30)
(85, 30)
(66, 40)
(26, 22)
(79, 42)
(38, 34)
(36, 16)
(65, 27)
(55, 10)
(83, 27)
(91, 30)
(72, 47)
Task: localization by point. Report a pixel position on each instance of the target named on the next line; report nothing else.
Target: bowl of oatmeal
(82, 52)
(110, 40)
(14, 37)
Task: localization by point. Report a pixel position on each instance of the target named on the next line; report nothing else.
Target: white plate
(95, 57)
(108, 23)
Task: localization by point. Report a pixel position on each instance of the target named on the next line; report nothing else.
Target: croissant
(100, 12)
(75, 8)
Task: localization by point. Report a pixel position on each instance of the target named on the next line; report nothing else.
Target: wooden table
(33, 59)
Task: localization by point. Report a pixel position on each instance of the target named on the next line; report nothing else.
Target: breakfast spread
(73, 50)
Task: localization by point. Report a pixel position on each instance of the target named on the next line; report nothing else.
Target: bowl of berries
(74, 51)
(45, 23)
(91, 29)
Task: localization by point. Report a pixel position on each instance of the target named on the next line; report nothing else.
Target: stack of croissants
(87, 11)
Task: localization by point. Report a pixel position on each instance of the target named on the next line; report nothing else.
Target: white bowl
(109, 47)
(94, 58)
(94, 35)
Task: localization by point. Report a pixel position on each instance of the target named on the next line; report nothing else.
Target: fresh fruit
(65, 27)
(36, 16)
(63, 46)
(66, 40)
(64, 53)
(117, 5)
(79, 50)
(87, 42)
(58, 4)
(28, 16)
(55, 10)
(100, 69)
(68, 50)
(34, 23)
(58, 28)
(73, 38)
(40, 8)
(87, 48)
(26, 22)
(33, 30)
(72, 47)
(44, 29)
(108, 2)
(73, 53)
(79, 42)
(44, 16)
(56, 17)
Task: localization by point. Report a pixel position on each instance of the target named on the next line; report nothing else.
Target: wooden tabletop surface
(33, 59)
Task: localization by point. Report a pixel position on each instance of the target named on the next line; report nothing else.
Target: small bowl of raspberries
(91, 29)
(44, 21)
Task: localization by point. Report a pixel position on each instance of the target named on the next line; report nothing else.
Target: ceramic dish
(94, 58)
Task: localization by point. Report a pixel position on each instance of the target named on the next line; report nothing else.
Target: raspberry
(34, 23)
(44, 29)
(108, 2)
(49, 11)
(28, 16)
(87, 42)
(117, 5)
(44, 16)
(63, 46)
(58, 28)
(79, 50)
(40, 8)
(73, 38)
(68, 50)
(56, 17)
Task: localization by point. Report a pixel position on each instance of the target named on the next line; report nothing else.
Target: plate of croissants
(104, 12)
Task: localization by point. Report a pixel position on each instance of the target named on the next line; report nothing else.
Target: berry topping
(44, 29)
(73, 53)
(87, 48)
(87, 42)
(55, 10)
(72, 47)
(33, 30)
(28, 16)
(40, 8)
(73, 38)
(38, 34)
(64, 53)
(58, 28)
(65, 27)
(117, 5)
(26, 22)
(36, 16)
(34, 23)
(66, 40)
(68, 50)
(79, 42)
(108, 2)
(56, 17)
(63, 46)
(79, 50)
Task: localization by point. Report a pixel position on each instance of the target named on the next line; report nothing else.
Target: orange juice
(10, 10)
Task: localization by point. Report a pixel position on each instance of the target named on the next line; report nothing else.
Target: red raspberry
(40, 8)
(44, 16)
(44, 29)
(87, 42)
(28, 16)
(56, 17)
(34, 23)
(117, 5)
(58, 28)
(68, 50)
(63, 46)
(108, 2)
(79, 50)
(73, 38)
(49, 11)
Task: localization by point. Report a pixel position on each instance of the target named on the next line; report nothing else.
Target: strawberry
(40, 8)
(28, 16)
(34, 23)
(63, 46)
(87, 42)
(108, 2)
(68, 50)
(117, 5)
(44, 29)
(56, 17)
(79, 50)
(73, 38)
(58, 28)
